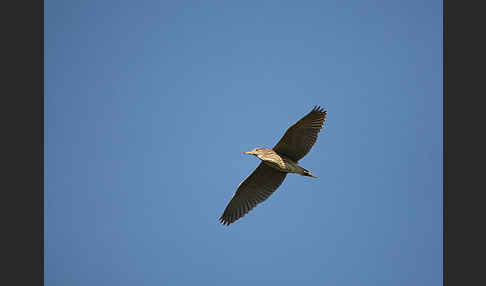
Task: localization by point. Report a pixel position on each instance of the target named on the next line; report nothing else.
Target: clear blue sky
(150, 104)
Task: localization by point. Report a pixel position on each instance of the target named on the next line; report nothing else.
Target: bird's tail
(308, 174)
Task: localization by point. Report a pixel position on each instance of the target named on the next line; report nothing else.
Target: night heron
(276, 164)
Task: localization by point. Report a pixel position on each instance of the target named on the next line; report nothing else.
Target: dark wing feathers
(252, 191)
(300, 137)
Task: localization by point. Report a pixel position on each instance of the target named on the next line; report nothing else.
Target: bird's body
(279, 162)
(275, 164)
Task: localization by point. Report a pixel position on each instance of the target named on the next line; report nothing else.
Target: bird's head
(255, 151)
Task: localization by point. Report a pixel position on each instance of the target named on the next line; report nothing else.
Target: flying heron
(275, 164)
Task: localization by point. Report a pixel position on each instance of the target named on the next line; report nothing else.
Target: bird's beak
(249, 153)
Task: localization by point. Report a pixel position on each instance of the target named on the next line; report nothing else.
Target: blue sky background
(150, 104)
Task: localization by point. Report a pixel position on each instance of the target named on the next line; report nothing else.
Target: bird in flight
(275, 164)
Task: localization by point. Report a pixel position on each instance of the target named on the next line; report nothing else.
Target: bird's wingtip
(318, 108)
(223, 221)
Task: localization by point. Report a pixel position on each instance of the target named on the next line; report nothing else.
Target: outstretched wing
(252, 191)
(300, 137)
